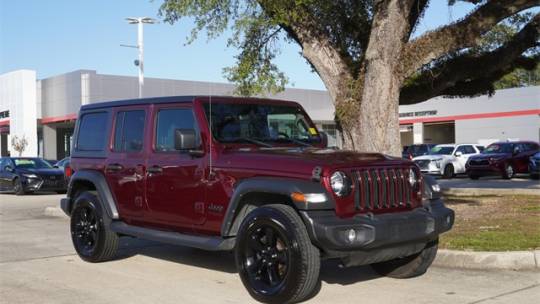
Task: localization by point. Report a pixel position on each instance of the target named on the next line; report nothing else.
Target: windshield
(440, 150)
(261, 124)
(498, 148)
(31, 163)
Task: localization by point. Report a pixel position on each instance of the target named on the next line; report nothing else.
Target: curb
(54, 212)
(488, 191)
(510, 260)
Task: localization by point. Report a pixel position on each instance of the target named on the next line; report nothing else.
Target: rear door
(175, 189)
(124, 168)
(466, 152)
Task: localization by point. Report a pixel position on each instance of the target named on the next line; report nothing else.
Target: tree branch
(459, 75)
(325, 58)
(459, 35)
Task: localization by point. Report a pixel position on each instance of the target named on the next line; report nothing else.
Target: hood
(302, 161)
(491, 155)
(45, 171)
(432, 157)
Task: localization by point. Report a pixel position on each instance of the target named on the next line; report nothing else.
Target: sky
(58, 36)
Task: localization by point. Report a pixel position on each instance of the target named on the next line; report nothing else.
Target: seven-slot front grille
(382, 188)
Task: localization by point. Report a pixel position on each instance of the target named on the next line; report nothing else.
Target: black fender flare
(272, 185)
(102, 188)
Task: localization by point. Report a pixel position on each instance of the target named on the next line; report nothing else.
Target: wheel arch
(91, 180)
(255, 192)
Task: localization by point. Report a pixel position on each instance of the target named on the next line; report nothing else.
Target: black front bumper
(378, 237)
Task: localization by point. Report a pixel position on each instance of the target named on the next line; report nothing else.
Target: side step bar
(213, 243)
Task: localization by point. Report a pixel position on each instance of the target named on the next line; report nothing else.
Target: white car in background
(447, 160)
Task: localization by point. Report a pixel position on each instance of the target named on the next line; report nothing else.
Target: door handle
(154, 170)
(114, 167)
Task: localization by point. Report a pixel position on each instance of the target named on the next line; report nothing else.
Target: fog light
(448, 220)
(351, 235)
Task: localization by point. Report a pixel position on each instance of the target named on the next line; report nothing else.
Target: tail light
(68, 171)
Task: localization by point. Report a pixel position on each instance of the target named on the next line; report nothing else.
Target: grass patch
(494, 223)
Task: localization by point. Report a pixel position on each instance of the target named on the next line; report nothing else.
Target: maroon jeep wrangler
(249, 175)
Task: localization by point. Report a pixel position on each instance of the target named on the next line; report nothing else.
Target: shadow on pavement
(330, 273)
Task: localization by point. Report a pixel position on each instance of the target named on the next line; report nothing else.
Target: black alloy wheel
(18, 187)
(266, 257)
(85, 229)
(275, 257)
(92, 238)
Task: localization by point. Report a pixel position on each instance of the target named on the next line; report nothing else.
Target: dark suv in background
(249, 175)
(502, 158)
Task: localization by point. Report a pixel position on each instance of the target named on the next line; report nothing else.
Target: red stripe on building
(471, 116)
(4, 122)
(47, 120)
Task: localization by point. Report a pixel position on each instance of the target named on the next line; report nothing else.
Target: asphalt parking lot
(38, 265)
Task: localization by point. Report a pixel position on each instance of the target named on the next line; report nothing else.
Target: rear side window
(129, 131)
(168, 120)
(92, 132)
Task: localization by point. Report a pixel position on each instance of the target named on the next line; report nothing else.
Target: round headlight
(340, 183)
(413, 178)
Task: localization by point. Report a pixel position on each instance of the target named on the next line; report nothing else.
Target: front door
(175, 190)
(124, 169)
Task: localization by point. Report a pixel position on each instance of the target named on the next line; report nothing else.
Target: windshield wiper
(251, 140)
(296, 141)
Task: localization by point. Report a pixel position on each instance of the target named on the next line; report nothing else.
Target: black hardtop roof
(173, 99)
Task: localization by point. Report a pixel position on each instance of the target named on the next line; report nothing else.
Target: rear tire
(508, 172)
(408, 267)
(448, 171)
(92, 238)
(275, 257)
(18, 187)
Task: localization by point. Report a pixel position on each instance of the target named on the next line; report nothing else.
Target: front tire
(448, 171)
(92, 239)
(275, 257)
(408, 267)
(508, 172)
(18, 187)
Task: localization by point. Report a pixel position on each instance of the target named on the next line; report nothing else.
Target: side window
(461, 149)
(168, 120)
(92, 131)
(469, 149)
(531, 147)
(4, 163)
(480, 148)
(129, 131)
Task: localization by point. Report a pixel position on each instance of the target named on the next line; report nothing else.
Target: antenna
(211, 137)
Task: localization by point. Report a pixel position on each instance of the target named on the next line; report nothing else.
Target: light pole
(140, 45)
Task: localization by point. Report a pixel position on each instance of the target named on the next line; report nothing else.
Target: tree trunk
(377, 126)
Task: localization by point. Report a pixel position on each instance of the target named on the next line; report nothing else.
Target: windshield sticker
(19, 162)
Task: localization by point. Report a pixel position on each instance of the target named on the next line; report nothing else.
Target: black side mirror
(324, 138)
(184, 139)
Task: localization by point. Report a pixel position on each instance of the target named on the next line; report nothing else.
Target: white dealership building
(44, 110)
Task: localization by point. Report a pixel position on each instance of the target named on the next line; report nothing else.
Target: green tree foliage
(366, 55)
